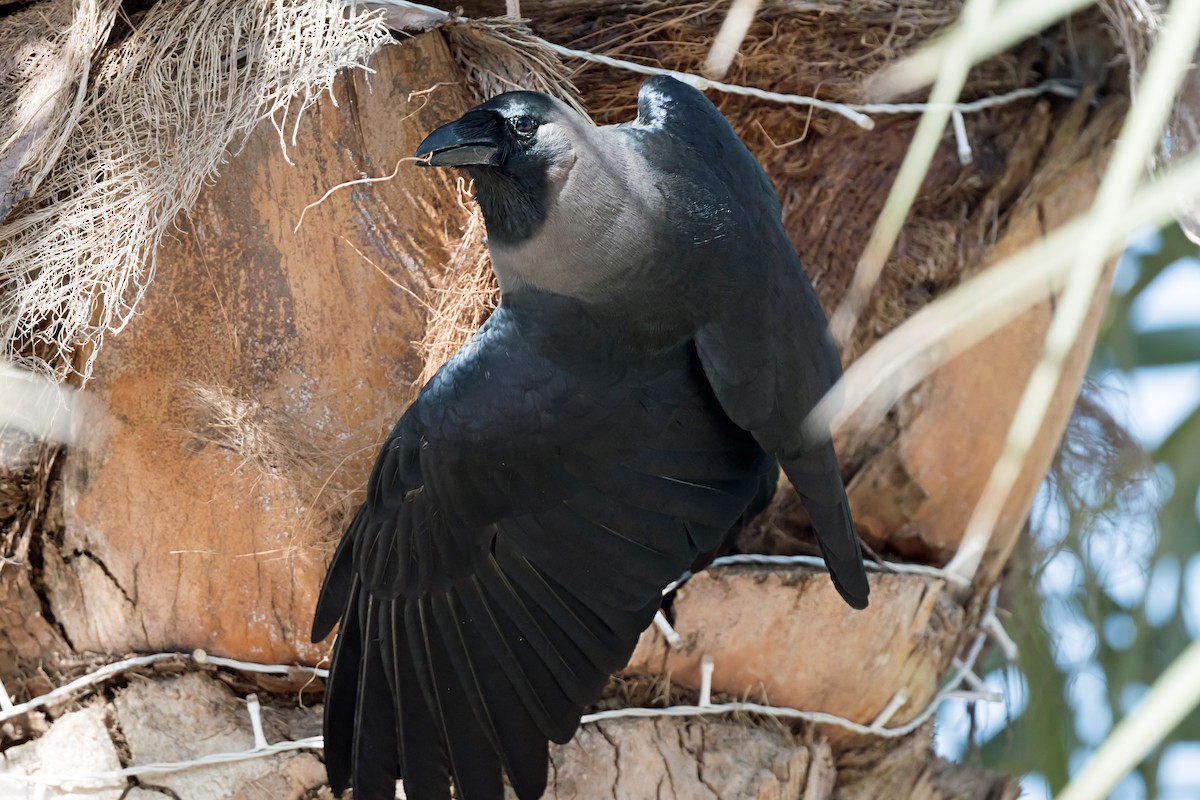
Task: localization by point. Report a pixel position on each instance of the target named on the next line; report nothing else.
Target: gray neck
(597, 225)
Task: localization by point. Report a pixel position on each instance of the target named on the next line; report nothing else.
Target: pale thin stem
(730, 36)
(1174, 695)
(959, 57)
(969, 313)
(1014, 21)
(1166, 68)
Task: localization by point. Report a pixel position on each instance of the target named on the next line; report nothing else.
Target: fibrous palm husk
(154, 116)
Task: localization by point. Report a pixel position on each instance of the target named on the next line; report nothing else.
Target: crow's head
(519, 147)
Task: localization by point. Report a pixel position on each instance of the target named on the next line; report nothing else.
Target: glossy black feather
(421, 751)
(341, 695)
(578, 453)
(374, 760)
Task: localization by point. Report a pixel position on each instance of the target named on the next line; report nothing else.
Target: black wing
(769, 368)
(765, 341)
(519, 526)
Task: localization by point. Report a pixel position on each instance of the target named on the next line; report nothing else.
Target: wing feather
(424, 763)
(470, 739)
(374, 744)
(511, 551)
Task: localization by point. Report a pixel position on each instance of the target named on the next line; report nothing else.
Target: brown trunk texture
(232, 425)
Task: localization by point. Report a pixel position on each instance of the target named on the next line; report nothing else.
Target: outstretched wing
(765, 341)
(519, 526)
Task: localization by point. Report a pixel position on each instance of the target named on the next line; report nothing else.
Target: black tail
(815, 476)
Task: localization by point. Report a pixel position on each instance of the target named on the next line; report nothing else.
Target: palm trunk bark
(235, 420)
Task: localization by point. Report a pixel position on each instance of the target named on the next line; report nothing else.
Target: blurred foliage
(1096, 591)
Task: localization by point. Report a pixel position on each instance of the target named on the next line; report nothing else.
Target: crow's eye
(524, 124)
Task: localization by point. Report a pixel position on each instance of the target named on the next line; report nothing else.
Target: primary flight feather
(611, 425)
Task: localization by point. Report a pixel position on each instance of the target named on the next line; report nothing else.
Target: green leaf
(1166, 346)
(1179, 448)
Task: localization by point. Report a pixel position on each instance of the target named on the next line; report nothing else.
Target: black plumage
(610, 426)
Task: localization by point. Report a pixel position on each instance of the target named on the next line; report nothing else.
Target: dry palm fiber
(277, 446)
(162, 107)
(46, 54)
(457, 309)
(502, 55)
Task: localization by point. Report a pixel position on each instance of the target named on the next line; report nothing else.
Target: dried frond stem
(356, 182)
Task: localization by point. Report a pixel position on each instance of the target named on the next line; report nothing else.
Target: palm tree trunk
(232, 424)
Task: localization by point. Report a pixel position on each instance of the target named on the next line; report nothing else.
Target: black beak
(450, 146)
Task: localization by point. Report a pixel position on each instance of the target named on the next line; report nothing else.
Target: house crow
(655, 351)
